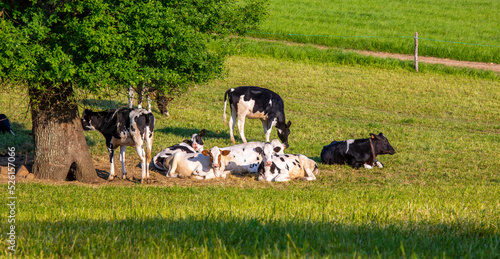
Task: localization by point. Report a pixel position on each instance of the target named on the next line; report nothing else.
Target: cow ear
(277, 149)
(205, 152)
(225, 152)
(289, 124)
(202, 133)
(259, 150)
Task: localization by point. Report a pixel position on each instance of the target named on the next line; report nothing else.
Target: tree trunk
(61, 151)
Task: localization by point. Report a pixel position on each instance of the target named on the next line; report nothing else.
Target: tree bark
(61, 151)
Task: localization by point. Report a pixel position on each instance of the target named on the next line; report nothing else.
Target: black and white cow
(244, 158)
(121, 128)
(357, 152)
(205, 165)
(195, 145)
(256, 103)
(285, 167)
(5, 125)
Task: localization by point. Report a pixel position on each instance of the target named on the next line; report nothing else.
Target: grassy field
(438, 196)
(462, 29)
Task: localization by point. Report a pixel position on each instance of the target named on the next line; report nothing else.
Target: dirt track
(431, 60)
(448, 62)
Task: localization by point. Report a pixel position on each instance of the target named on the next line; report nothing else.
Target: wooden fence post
(416, 51)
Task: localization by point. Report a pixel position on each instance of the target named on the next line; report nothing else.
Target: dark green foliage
(106, 43)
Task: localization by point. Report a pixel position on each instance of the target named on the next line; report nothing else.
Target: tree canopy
(117, 43)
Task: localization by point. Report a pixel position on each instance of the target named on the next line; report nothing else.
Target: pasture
(438, 196)
(461, 29)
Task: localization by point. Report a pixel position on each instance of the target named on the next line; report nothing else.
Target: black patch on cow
(282, 159)
(287, 167)
(181, 147)
(275, 168)
(243, 149)
(287, 155)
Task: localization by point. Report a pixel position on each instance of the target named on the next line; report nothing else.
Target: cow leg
(310, 176)
(380, 165)
(173, 165)
(231, 124)
(241, 128)
(367, 166)
(122, 160)
(111, 158)
(267, 130)
(282, 178)
(140, 151)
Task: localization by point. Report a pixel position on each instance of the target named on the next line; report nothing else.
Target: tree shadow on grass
(222, 235)
(102, 104)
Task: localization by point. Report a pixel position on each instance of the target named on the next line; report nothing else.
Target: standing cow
(121, 128)
(357, 153)
(195, 145)
(256, 103)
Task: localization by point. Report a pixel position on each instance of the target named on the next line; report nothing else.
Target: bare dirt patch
(102, 166)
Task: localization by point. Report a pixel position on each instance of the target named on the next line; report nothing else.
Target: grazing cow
(256, 103)
(5, 125)
(187, 146)
(357, 153)
(244, 158)
(284, 167)
(121, 128)
(204, 165)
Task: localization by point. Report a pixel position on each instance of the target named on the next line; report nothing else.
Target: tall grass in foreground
(276, 221)
(462, 30)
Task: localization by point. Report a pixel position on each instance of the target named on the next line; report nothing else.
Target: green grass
(462, 30)
(299, 220)
(438, 196)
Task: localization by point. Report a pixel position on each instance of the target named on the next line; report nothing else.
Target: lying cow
(256, 103)
(121, 128)
(5, 125)
(357, 153)
(204, 165)
(284, 167)
(244, 158)
(195, 145)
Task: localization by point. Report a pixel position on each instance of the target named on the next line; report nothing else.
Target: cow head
(197, 142)
(216, 159)
(87, 117)
(381, 144)
(283, 132)
(267, 168)
(267, 153)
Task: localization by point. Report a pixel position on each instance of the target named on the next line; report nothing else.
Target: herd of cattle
(135, 127)
(267, 160)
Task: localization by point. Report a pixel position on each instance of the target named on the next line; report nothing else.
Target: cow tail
(225, 102)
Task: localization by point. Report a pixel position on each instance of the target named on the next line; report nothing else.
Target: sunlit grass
(462, 30)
